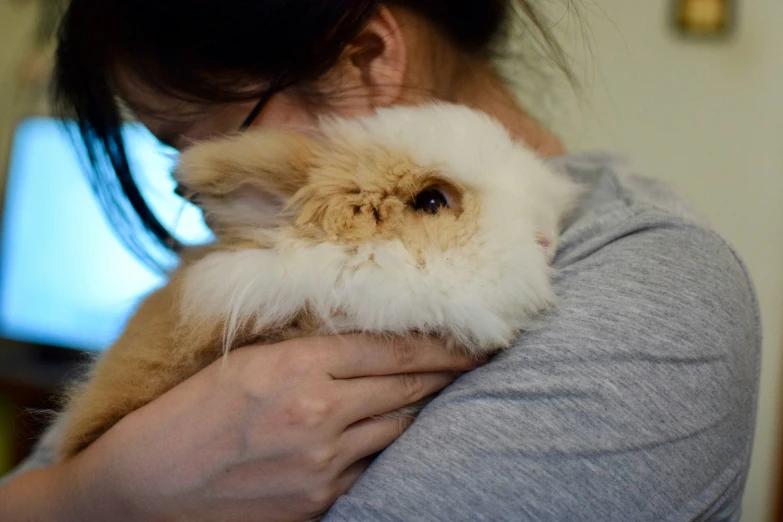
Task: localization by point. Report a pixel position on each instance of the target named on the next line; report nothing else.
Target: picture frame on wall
(704, 19)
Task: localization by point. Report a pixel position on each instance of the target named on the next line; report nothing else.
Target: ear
(245, 180)
(377, 60)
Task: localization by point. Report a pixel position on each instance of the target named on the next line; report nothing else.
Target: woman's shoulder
(608, 177)
(633, 398)
(638, 242)
(613, 193)
(618, 204)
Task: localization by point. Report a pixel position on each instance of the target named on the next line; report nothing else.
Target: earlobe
(378, 57)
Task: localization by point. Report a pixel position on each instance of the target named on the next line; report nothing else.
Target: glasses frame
(274, 88)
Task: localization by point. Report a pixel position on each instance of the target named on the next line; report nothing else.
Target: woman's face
(179, 124)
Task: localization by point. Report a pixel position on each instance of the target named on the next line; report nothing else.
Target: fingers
(371, 436)
(368, 396)
(357, 448)
(349, 477)
(352, 356)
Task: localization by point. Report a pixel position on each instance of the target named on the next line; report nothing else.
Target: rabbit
(423, 219)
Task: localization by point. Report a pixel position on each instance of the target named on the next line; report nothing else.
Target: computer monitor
(66, 280)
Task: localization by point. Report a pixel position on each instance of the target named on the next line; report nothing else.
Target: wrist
(95, 488)
(54, 494)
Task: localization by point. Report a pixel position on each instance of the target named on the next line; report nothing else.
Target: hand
(272, 433)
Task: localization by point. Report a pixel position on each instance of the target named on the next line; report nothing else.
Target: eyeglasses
(274, 88)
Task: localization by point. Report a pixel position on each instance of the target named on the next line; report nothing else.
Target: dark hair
(217, 51)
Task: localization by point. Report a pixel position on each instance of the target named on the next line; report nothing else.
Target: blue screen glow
(65, 278)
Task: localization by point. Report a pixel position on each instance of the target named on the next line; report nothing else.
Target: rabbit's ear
(246, 179)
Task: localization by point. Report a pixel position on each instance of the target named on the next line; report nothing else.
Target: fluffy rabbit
(415, 220)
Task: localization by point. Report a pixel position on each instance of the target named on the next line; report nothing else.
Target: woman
(634, 401)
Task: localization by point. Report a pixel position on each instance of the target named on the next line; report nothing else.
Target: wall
(17, 30)
(707, 118)
(17, 23)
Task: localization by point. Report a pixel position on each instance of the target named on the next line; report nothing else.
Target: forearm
(59, 493)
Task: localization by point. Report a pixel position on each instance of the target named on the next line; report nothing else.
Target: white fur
(482, 294)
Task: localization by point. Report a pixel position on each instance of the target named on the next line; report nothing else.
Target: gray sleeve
(634, 400)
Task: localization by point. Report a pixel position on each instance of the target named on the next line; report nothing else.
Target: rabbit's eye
(430, 201)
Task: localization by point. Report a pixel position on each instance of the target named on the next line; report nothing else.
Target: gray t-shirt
(634, 400)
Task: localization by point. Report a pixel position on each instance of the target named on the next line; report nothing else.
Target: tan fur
(355, 195)
(345, 193)
(154, 354)
(251, 187)
(153, 350)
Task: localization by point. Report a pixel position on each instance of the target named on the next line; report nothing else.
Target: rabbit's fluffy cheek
(360, 219)
(352, 218)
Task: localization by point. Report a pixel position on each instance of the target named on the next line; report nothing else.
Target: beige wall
(17, 20)
(708, 118)
(17, 26)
